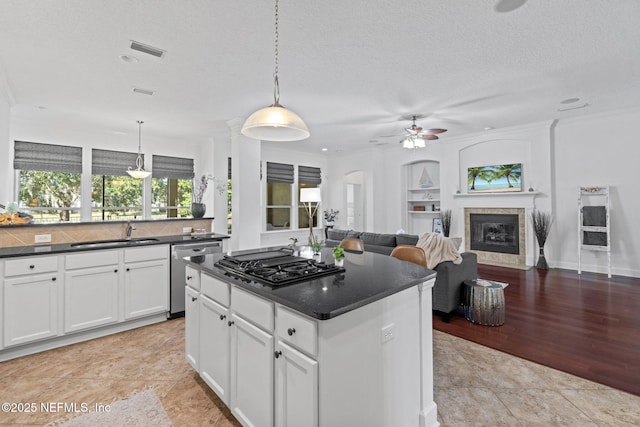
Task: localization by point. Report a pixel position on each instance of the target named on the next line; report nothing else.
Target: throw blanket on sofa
(438, 249)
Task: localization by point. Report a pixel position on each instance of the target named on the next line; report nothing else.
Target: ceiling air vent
(145, 48)
(144, 91)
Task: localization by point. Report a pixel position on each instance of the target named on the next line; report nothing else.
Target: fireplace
(495, 233)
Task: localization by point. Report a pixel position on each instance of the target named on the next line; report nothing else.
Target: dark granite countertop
(46, 249)
(368, 277)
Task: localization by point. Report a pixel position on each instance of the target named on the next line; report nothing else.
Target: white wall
(597, 150)
(6, 152)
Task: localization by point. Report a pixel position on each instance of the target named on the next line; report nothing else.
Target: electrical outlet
(387, 333)
(187, 230)
(43, 238)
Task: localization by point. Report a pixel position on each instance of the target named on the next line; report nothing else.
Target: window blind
(309, 175)
(107, 162)
(172, 167)
(279, 172)
(47, 157)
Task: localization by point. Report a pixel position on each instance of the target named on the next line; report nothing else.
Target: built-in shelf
(424, 189)
(424, 212)
(423, 200)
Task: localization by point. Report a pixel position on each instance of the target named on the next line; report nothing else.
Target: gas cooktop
(276, 267)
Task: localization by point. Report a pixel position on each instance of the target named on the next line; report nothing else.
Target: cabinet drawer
(31, 265)
(146, 253)
(192, 277)
(91, 259)
(215, 289)
(252, 308)
(299, 331)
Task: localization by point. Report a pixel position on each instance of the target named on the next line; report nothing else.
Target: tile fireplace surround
(495, 258)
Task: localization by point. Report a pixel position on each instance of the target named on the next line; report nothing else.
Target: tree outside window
(50, 196)
(115, 198)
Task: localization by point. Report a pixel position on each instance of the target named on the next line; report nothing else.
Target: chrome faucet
(129, 229)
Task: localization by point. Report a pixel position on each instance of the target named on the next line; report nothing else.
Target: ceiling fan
(416, 136)
(418, 132)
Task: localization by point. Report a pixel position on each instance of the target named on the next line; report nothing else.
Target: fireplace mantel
(524, 199)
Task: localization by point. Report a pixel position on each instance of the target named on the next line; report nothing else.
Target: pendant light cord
(139, 162)
(276, 84)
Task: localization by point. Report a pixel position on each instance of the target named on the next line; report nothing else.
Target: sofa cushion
(378, 239)
(352, 234)
(406, 239)
(336, 234)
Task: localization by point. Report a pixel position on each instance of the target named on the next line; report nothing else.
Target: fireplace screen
(495, 233)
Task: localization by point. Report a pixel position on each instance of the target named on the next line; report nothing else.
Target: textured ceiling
(350, 69)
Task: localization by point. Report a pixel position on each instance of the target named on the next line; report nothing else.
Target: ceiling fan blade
(435, 131)
(429, 137)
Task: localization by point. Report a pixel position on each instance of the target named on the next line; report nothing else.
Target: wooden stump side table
(483, 302)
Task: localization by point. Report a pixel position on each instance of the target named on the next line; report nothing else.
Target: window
(114, 194)
(280, 203)
(48, 180)
(308, 177)
(171, 187)
(279, 183)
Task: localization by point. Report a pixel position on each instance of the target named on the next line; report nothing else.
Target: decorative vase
(339, 262)
(198, 209)
(542, 261)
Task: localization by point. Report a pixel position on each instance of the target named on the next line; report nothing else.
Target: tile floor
(474, 385)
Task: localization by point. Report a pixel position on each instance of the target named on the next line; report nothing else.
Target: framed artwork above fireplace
(495, 179)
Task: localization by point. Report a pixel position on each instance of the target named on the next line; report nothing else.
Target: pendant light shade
(275, 123)
(139, 171)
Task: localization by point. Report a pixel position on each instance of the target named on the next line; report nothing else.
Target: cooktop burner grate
(280, 268)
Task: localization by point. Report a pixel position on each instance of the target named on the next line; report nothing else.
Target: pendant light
(139, 171)
(275, 123)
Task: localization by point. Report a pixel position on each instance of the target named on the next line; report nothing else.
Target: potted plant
(315, 244)
(445, 218)
(199, 188)
(541, 227)
(338, 254)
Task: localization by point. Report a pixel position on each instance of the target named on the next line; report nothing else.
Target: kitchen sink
(112, 243)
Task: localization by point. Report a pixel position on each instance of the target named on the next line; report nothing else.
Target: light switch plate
(186, 230)
(43, 238)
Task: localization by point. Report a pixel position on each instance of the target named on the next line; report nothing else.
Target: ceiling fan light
(407, 143)
(419, 142)
(275, 123)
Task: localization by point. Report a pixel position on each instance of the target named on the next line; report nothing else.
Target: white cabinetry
(296, 383)
(192, 326)
(146, 281)
(91, 289)
(421, 195)
(30, 299)
(251, 359)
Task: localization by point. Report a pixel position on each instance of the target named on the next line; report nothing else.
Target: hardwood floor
(586, 325)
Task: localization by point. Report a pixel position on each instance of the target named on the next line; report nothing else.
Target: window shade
(278, 172)
(106, 162)
(172, 167)
(309, 175)
(47, 157)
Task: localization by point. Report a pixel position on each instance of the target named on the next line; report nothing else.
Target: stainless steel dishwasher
(178, 252)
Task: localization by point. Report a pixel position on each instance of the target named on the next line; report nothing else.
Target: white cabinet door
(90, 297)
(146, 288)
(251, 374)
(214, 346)
(296, 388)
(30, 308)
(192, 327)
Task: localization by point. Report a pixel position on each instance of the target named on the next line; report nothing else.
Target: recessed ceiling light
(325, 149)
(569, 100)
(129, 58)
(504, 6)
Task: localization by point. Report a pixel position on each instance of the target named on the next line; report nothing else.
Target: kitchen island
(347, 349)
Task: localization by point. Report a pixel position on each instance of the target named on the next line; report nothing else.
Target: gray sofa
(447, 291)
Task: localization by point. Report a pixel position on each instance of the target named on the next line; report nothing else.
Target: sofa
(447, 291)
